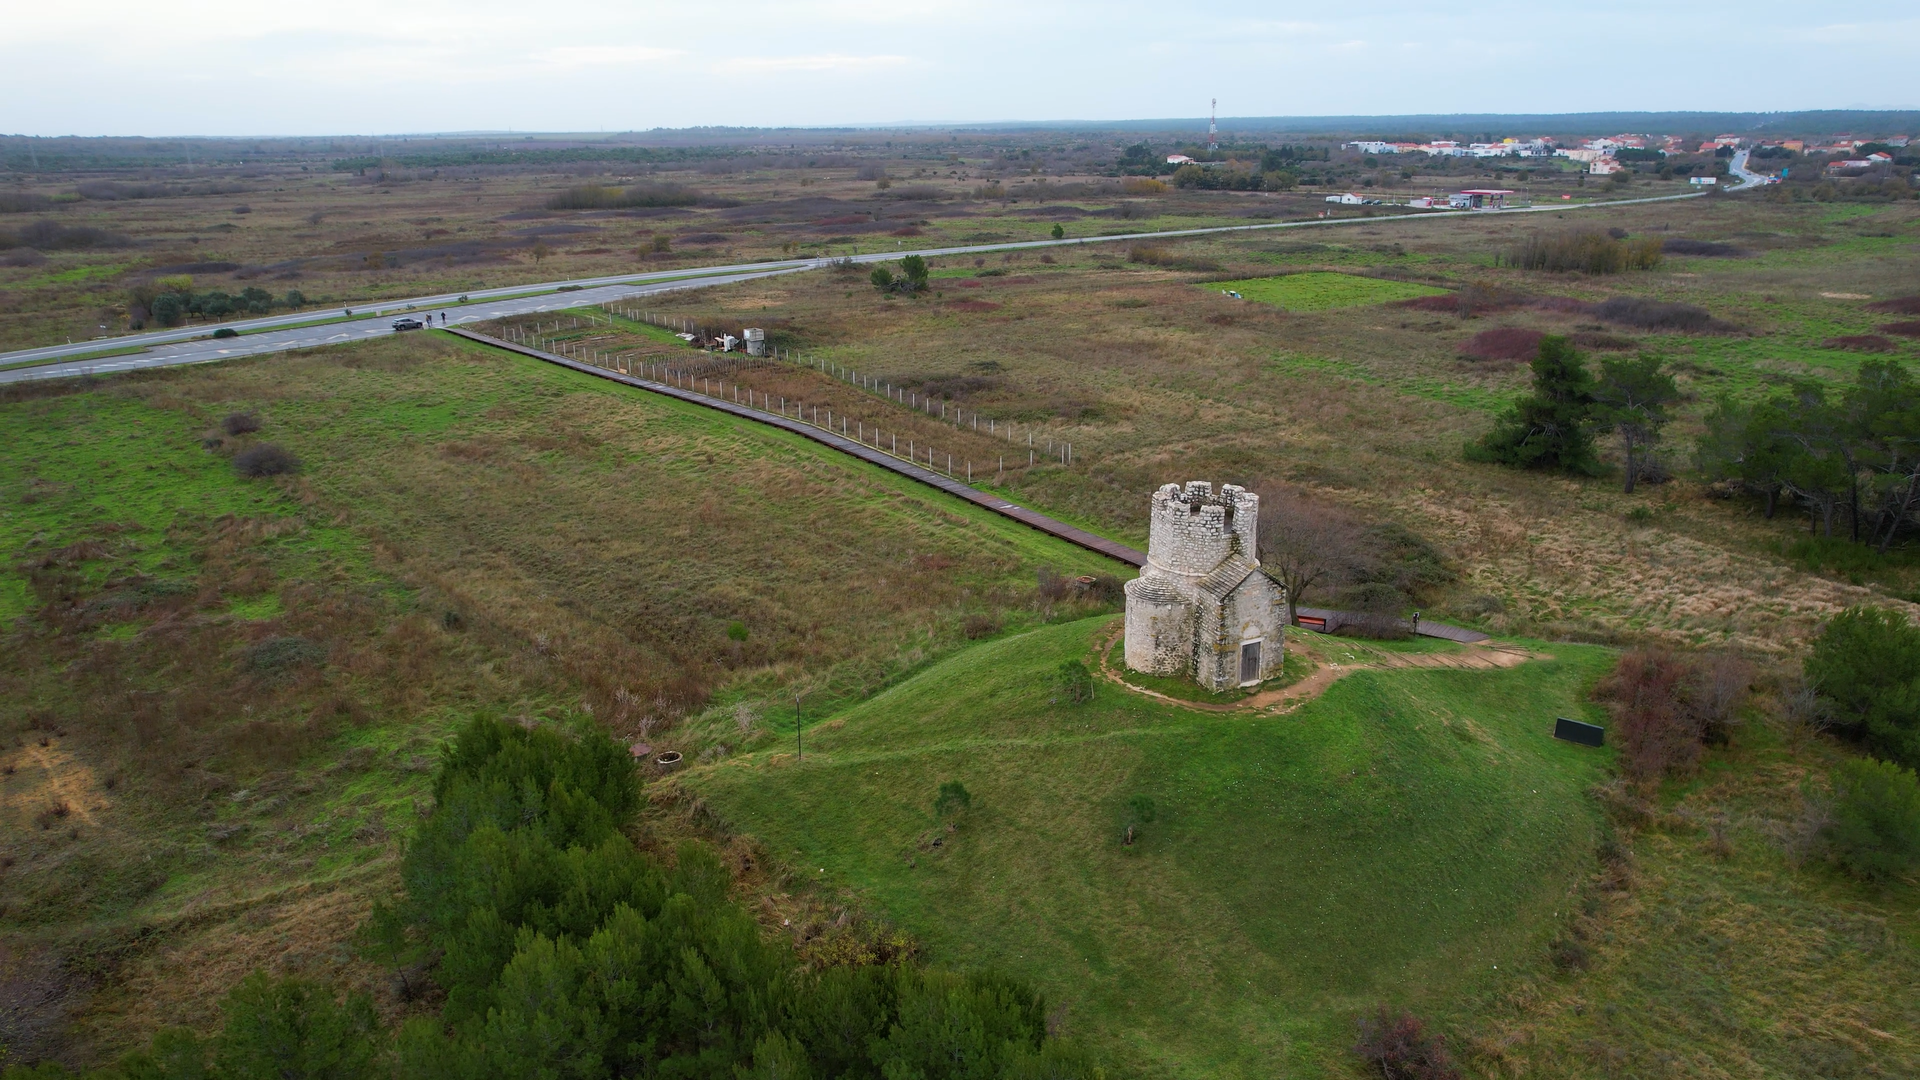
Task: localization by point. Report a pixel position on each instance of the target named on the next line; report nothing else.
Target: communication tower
(1213, 126)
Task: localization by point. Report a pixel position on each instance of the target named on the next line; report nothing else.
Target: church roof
(1227, 577)
(1155, 589)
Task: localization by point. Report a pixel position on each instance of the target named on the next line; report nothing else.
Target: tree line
(1849, 456)
(564, 951)
(171, 303)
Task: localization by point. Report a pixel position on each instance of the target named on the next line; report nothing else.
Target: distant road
(1738, 167)
(279, 333)
(203, 349)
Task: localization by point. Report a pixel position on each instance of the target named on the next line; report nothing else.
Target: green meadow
(1412, 836)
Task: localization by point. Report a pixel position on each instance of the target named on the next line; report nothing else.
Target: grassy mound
(1394, 840)
(1320, 290)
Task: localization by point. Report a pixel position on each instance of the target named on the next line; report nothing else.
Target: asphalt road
(278, 333)
(207, 350)
(1738, 167)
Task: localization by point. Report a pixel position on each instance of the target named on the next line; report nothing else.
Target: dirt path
(39, 778)
(1334, 659)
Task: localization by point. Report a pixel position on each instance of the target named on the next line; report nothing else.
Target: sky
(223, 67)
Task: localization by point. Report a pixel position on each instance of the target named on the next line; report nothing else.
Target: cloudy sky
(222, 67)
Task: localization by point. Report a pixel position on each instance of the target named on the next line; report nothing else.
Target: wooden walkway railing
(854, 447)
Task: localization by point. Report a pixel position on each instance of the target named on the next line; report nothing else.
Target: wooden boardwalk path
(869, 454)
(1330, 621)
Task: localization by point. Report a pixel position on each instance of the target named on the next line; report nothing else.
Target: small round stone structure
(1202, 607)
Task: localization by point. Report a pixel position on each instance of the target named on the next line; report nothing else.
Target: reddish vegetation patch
(1861, 343)
(1904, 329)
(1019, 279)
(964, 284)
(1503, 343)
(1443, 302)
(972, 305)
(1899, 305)
(908, 230)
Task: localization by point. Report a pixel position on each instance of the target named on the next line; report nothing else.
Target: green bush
(953, 799)
(1076, 682)
(1875, 828)
(1866, 665)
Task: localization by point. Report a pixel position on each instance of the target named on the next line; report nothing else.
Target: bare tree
(1304, 543)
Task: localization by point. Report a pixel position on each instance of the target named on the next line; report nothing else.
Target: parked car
(408, 323)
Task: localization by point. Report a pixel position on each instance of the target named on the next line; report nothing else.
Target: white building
(1202, 607)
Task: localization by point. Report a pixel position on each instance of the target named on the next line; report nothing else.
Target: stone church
(1202, 607)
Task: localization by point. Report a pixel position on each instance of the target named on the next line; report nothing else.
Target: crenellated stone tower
(1201, 607)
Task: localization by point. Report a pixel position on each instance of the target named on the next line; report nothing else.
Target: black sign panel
(1576, 731)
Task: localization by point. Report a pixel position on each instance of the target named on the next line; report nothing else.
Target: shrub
(1899, 305)
(1076, 682)
(22, 202)
(53, 236)
(1667, 707)
(953, 799)
(266, 459)
(1873, 828)
(294, 1028)
(1398, 1046)
(1860, 343)
(1866, 665)
(1703, 248)
(226, 332)
(1658, 315)
(1910, 328)
(240, 423)
(1503, 343)
(597, 197)
(979, 626)
(1587, 250)
(278, 655)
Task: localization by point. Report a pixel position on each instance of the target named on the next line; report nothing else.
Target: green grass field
(1410, 837)
(1321, 290)
(470, 529)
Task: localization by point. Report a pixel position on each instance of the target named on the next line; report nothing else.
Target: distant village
(1602, 156)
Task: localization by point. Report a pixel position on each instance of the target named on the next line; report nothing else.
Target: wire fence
(725, 383)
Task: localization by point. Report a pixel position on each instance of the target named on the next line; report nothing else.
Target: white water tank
(756, 340)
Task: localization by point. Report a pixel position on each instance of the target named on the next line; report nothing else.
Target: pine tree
(1552, 429)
